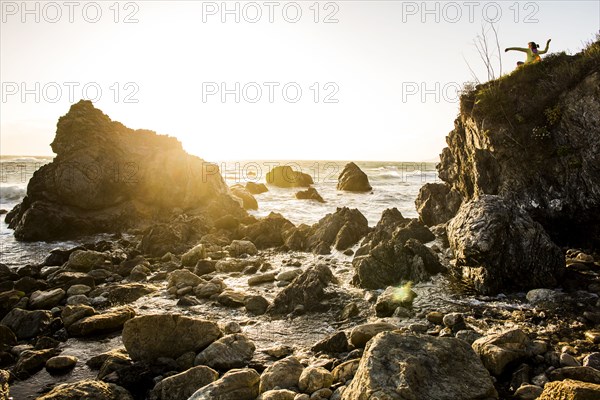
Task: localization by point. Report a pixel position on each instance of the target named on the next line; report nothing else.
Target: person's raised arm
(546, 49)
(516, 49)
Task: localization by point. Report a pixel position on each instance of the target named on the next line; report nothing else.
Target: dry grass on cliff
(526, 101)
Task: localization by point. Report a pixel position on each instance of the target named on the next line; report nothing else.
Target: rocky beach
(173, 286)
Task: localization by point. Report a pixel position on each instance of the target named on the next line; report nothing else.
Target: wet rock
(73, 313)
(336, 343)
(260, 279)
(393, 261)
(31, 361)
(567, 360)
(61, 364)
(208, 289)
(246, 198)
(361, 334)
(283, 374)
(468, 335)
(269, 231)
(45, 300)
(87, 389)
(150, 337)
(499, 247)
(392, 298)
(85, 260)
(66, 279)
(583, 374)
(314, 378)
(310, 194)
(96, 362)
(127, 293)
(284, 176)
(592, 360)
(27, 324)
(101, 323)
(570, 390)
(7, 338)
(498, 351)
(397, 365)
(528, 392)
(78, 289)
(307, 290)
(237, 384)
(353, 179)
(546, 297)
(256, 305)
(228, 352)
(7, 274)
(78, 299)
(437, 203)
(256, 188)
(204, 267)
(183, 385)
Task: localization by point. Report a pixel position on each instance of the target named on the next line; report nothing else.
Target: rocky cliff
(533, 138)
(108, 178)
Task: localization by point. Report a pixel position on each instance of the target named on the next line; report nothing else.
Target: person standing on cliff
(533, 54)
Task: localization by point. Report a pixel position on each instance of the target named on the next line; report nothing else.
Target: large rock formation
(286, 177)
(401, 366)
(353, 179)
(499, 247)
(540, 150)
(107, 178)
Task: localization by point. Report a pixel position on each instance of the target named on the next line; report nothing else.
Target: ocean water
(395, 184)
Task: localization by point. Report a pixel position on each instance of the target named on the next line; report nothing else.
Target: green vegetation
(526, 102)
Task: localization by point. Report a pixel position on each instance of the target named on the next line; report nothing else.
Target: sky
(304, 80)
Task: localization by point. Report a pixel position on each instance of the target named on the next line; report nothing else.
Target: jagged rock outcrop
(353, 179)
(108, 178)
(310, 194)
(498, 247)
(286, 177)
(533, 138)
(247, 199)
(437, 203)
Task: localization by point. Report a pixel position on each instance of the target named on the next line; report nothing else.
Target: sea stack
(108, 178)
(353, 179)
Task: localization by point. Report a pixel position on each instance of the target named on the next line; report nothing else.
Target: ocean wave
(12, 193)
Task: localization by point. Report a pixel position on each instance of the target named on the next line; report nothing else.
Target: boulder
(393, 261)
(60, 364)
(336, 343)
(150, 337)
(182, 278)
(108, 178)
(237, 384)
(88, 390)
(85, 260)
(307, 290)
(404, 366)
(7, 338)
(31, 361)
(341, 229)
(310, 194)
(256, 188)
(500, 350)
(246, 198)
(437, 203)
(353, 179)
(239, 247)
(182, 386)
(228, 352)
(570, 390)
(314, 378)
(285, 177)
(583, 374)
(283, 374)
(127, 292)
(71, 314)
(193, 255)
(498, 247)
(267, 232)
(256, 305)
(361, 334)
(45, 300)
(109, 321)
(278, 394)
(392, 298)
(174, 237)
(27, 324)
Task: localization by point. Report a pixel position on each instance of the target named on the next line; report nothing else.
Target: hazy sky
(378, 79)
